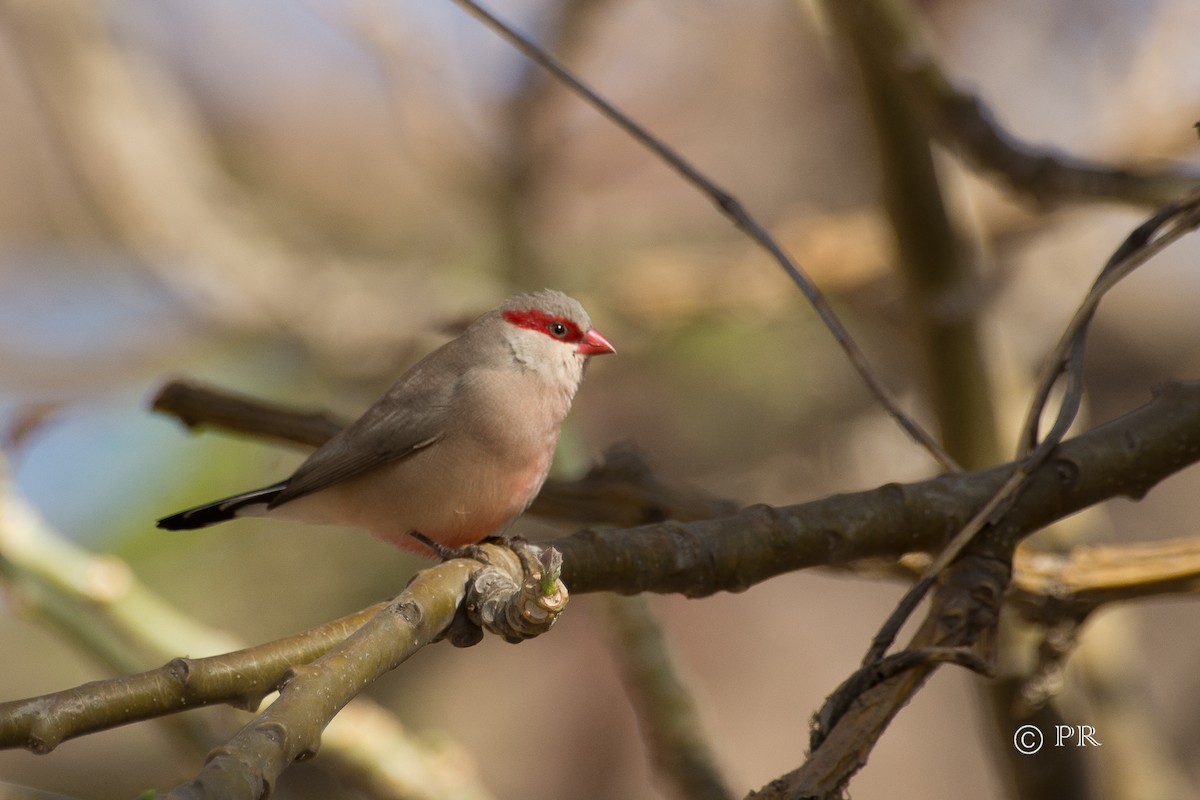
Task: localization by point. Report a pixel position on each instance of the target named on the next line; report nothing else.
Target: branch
(982, 557)
(199, 406)
(1051, 587)
(974, 568)
(240, 679)
(938, 266)
(1147, 240)
(721, 550)
(1162, 229)
(667, 714)
(965, 608)
(501, 596)
(1126, 456)
(885, 42)
(967, 604)
(964, 123)
(311, 694)
(107, 613)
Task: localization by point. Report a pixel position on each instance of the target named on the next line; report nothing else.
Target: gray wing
(408, 418)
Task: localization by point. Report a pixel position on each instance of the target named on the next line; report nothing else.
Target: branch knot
(516, 610)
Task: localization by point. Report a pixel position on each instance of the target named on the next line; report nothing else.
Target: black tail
(219, 510)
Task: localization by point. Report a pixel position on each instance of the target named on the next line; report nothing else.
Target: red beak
(593, 344)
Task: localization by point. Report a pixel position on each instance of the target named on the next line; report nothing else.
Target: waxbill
(456, 449)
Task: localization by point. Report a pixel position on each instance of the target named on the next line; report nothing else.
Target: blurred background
(298, 198)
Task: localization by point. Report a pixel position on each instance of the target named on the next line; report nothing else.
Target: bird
(456, 449)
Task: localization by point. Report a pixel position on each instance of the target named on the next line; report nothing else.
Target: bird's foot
(471, 551)
(525, 550)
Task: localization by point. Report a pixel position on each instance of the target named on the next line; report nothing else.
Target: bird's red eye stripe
(559, 328)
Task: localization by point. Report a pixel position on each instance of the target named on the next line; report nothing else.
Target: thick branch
(108, 613)
(1125, 457)
(290, 728)
(722, 550)
(241, 678)
(311, 694)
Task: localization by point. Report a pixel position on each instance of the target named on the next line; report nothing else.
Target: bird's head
(551, 333)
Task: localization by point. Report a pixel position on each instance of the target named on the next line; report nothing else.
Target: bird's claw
(469, 551)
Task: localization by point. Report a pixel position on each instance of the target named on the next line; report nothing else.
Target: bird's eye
(557, 329)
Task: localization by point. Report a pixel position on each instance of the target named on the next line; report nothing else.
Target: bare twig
(967, 601)
(734, 210)
(198, 405)
(1150, 238)
(1002, 534)
(964, 123)
(867, 678)
(1139, 247)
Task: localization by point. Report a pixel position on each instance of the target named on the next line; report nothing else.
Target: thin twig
(1067, 359)
(735, 211)
(933, 257)
(1002, 532)
(870, 676)
(1140, 246)
(964, 123)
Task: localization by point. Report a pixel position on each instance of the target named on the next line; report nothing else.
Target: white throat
(558, 364)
